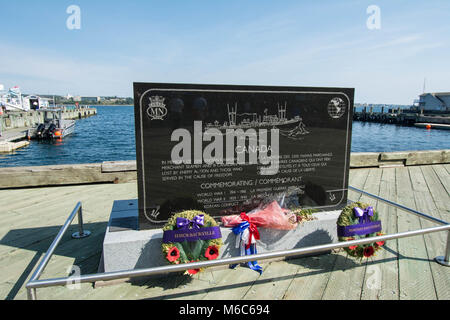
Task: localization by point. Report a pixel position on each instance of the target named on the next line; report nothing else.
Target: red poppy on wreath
(368, 251)
(173, 254)
(193, 271)
(352, 247)
(212, 252)
(380, 243)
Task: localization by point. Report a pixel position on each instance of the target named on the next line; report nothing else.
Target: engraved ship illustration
(253, 120)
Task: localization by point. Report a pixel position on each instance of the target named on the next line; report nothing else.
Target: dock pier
(401, 117)
(12, 140)
(26, 119)
(15, 124)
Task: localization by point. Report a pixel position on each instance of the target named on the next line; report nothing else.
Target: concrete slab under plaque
(125, 247)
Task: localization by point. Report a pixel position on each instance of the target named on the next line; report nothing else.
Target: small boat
(55, 128)
(432, 125)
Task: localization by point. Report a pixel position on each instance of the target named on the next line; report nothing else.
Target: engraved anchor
(332, 197)
(155, 212)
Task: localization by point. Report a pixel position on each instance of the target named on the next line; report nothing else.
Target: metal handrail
(35, 283)
(81, 234)
(399, 206)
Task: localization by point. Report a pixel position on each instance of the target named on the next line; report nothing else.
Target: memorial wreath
(357, 221)
(191, 236)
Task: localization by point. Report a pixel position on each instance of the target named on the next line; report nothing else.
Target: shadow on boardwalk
(86, 253)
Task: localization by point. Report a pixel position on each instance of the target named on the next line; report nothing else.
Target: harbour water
(109, 136)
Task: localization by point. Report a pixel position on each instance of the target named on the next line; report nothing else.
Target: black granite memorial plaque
(225, 149)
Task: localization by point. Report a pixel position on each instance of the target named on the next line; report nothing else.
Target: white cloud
(62, 72)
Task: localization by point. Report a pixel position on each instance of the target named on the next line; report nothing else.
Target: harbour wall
(26, 119)
(125, 171)
(400, 117)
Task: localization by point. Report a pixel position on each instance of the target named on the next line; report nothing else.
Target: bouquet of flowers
(245, 226)
(270, 216)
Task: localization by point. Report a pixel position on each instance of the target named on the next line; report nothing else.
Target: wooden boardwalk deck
(404, 270)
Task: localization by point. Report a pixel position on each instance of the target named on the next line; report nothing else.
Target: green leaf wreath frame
(348, 218)
(191, 251)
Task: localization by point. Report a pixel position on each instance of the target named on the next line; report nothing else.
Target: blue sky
(297, 43)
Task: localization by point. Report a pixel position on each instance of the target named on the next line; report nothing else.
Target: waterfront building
(436, 101)
(34, 102)
(90, 99)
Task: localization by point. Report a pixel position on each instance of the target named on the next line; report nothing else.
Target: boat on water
(433, 125)
(54, 128)
(14, 100)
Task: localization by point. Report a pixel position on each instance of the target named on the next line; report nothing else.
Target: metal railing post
(81, 232)
(31, 293)
(445, 260)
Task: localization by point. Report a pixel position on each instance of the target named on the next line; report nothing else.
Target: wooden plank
(27, 198)
(347, 278)
(435, 245)
(234, 284)
(381, 278)
(447, 167)
(16, 260)
(418, 182)
(428, 157)
(69, 252)
(60, 175)
(437, 190)
(357, 179)
(138, 289)
(443, 173)
(175, 286)
(415, 278)
(274, 282)
(56, 203)
(118, 166)
(435, 242)
(372, 185)
(312, 277)
(364, 159)
(95, 204)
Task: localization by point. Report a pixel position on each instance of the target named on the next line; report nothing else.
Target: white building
(35, 103)
(436, 101)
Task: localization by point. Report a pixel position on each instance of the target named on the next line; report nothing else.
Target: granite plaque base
(125, 247)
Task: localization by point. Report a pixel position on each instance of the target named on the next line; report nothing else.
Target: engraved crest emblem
(156, 109)
(336, 108)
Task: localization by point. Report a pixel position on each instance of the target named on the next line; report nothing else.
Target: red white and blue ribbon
(247, 233)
